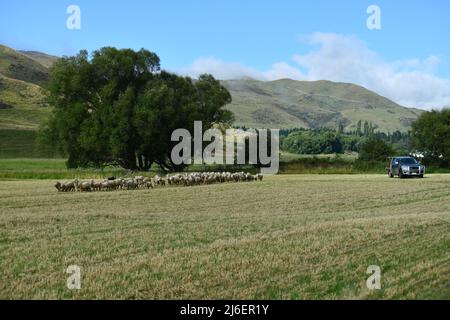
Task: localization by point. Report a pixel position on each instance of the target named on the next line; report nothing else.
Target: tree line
(428, 137)
(326, 140)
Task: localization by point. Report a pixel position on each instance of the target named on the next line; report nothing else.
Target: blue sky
(305, 40)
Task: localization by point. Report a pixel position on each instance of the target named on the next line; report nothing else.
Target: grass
(32, 164)
(327, 164)
(288, 237)
(19, 66)
(43, 168)
(43, 58)
(28, 110)
(17, 144)
(288, 156)
(25, 168)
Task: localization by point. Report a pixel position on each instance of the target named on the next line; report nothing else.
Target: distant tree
(118, 107)
(431, 136)
(366, 129)
(350, 143)
(358, 128)
(313, 142)
(375, 149)
(340, 127)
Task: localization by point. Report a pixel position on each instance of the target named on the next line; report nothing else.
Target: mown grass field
(288, 237)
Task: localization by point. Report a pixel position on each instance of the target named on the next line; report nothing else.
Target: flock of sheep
(141, 182)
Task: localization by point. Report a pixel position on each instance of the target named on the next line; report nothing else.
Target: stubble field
(288, 237)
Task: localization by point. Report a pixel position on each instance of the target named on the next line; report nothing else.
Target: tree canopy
(431, 136)
(375, 150)
(311, 142)
(118, 107)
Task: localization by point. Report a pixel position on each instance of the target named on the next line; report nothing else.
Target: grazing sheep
(104, 186)
(186, 179)
(58, 186)
(139, 180)
(158, 181)
(86, 186)
(67, 186)
(130, 184)
(148, 184)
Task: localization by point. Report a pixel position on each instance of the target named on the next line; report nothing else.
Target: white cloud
(427, 65)
(233, 70)
(409, 82)
(282, 70)
(220, 69)
(341, 58)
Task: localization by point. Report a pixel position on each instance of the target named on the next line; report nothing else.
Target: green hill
(23, 103)
(313, 104)
(45, 59)
(22, 109)
(16, 65)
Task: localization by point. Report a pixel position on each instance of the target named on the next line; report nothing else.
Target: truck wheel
(421, 176)
(400, 174)
(390, 174)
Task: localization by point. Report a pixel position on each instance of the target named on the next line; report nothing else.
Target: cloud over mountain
(344, 58)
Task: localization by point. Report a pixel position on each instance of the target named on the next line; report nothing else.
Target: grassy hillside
(313, 104)
(22, 109)
(22, 101)
(287, 237)
(45, 59)
(25, 105)
(16, 65)
(17, 143)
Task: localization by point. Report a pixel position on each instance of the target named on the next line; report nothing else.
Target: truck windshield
(408, 161)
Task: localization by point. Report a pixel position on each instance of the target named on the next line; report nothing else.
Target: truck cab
(404, 166)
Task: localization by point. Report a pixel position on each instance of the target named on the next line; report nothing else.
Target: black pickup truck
(404, 167)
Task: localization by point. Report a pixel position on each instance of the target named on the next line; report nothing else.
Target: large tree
(118, 107)
(431, 136)
(375, 150)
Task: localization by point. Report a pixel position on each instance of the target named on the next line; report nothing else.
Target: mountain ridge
(16, 65)
(287, 103)
(45, 59)
(282, 103)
